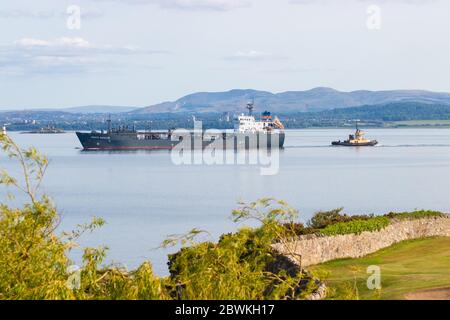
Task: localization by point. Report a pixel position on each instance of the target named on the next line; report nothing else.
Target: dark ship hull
(116, 141)
(359, 144)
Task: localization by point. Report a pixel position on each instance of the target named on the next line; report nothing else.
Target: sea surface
(144, 196)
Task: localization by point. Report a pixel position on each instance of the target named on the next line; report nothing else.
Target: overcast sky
(141, 52)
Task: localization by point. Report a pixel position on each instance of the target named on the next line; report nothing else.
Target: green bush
(115, 283)
(322, 219)
(415, 214)
(33, 263)
(298, 229)
(33, 258)
(240, 265)
(333, 222)
(356, 226)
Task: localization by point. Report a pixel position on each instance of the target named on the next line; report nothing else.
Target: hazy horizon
(144, 52)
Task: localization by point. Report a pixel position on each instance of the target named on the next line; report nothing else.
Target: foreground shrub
(33, 259)
(115, 283)
(241, 265)
(34, 262)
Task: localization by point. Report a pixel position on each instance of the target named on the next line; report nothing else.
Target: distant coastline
(315, 108)
(71, 129)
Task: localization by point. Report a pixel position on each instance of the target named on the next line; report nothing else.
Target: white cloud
(46, 14)
(62, 55)
(413, 2)
(61, 42)
(220, 5)
(216, 5)
(69, 46)
(253, 55)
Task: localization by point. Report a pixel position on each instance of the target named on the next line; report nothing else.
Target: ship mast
(109, 123)
(250, 106)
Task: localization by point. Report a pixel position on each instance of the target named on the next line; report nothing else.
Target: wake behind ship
(247, 134)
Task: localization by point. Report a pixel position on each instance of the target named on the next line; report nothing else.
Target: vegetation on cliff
(334, 222)
(242, 265)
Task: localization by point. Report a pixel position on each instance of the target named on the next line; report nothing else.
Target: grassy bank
(405, 267)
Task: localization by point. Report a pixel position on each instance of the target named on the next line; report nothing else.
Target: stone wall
(313, 249)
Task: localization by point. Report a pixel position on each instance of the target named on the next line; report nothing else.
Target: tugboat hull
(349, 144)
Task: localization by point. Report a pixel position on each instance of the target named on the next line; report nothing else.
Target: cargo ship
(248, 133)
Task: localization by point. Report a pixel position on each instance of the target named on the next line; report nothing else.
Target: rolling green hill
(313, 100)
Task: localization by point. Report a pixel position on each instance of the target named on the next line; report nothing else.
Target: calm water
(144, 197)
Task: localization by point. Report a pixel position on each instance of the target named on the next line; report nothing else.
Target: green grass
(405, 267)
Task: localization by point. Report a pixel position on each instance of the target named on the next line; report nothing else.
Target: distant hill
(99, 109)
(234, 101)
(313, 100)
(371, 115)
(396, 111)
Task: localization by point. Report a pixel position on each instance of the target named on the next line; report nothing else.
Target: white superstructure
(248, 123)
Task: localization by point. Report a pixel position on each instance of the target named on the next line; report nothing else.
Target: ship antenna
(250, 106)
(109, 123)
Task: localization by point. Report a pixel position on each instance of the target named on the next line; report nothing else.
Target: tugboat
(356, 140)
